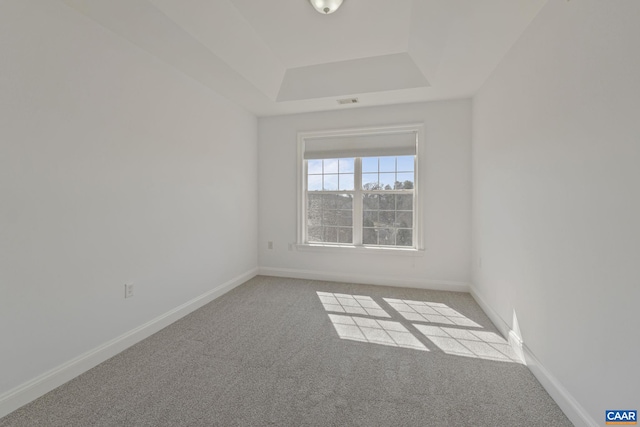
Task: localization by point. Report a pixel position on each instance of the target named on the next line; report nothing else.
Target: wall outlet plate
(128, 290)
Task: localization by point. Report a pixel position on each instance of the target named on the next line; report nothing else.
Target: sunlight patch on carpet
(375, 331)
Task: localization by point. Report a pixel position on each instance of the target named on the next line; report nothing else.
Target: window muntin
(330, 174)
(388, 173)
(378, 192)
(330, 218)
(388, 220)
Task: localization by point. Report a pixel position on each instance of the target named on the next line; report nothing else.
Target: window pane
(330, 165)
(370, 181)
(404, 238)
(345, 235)
(344, 218)
(327, 201)
(331, 234)
(369, 164)
(346, 181)
(371, 201)
(386, 236)
(314, 183)
(405, 164)
(404, 202)
(387, 218)
(370, 236)
(346, 165)
(387, 181)
(330, 217)
(344, 201)
(315, 234)
(370, 218)
(404, 219)
(405, 180)
(330, 183)
(387, 201)
(314, 167)
(314, 201)
(395, 173)
(314, 213)
(384, 224)
(387, 164)
(323, 174)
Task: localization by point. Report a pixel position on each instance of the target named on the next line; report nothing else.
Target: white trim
(418, 197)
(44, 383)
(358, 207)
(567, 403)
(436, 285)
(301, 200)
(512, 337)
(380, 250)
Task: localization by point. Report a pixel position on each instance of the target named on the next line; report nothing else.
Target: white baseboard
(498, 321)
(569, 405)
(42, 384)
(439, 285)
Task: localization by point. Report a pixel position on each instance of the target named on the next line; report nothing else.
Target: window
(359, 188)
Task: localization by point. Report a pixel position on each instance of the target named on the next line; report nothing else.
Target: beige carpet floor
(288, 352)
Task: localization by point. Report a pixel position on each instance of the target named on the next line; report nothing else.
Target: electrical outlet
(270, 245)
(128, 290)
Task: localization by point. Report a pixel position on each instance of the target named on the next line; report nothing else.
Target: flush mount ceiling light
(326, 6)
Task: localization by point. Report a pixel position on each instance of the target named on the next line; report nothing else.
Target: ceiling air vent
(346, 101)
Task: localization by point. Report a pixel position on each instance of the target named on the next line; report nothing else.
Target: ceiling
(281, 56)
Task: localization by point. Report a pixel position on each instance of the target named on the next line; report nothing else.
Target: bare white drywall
(445, 197)
(556, 197)
(114, 169)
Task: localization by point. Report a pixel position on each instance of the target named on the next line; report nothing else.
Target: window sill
(316, 247)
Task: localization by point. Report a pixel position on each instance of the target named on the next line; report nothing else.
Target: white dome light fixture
(326, 6)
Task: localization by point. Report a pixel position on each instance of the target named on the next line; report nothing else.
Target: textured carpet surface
(287, 352)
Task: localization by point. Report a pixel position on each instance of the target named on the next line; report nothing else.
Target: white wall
(556, 198)
(114, 168)
(445, 196)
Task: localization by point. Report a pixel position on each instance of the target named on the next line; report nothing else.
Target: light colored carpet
(287, 352)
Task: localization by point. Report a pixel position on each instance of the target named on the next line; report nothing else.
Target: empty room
(319, 212)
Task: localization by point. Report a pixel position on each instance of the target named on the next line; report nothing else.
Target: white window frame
(302, 203)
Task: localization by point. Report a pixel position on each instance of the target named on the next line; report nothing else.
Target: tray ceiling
(281, 56)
